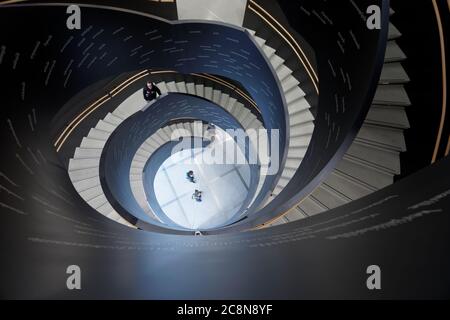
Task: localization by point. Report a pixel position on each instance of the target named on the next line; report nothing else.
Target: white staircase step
(143, 153)
(301, 118)
(135, 170)
(138, 158)
(260, 41)
(163, 135)
(105, 209)
(216, 96)
(329, 197)
(160, 140)
(91, 193)
(187, 127)
(120, 114)
(110, 118)
(393, 52)
(98, 201)
(105, 126)
(190, 87)
(247, 120)
(231, 103)
(268, 51)
(88, 143)
(78, 164)
(357, 170)
(148, 147)
(131, 105)
(394, 95)
(393, 73)
(113, 215)
(224, 100)
(283, 72)
(294, 94)
(135, 177)
(387, 160)
(83, 174)
(200, 90)
(301, 130)
(241, 113)
(168, 133)
(85, 184)
(393, 32)
(283, 182)
(292, 163)
(237, 108)
(171, 86)
(137, 165)
(81, 153)
(181, 87)
(208, 93)
(297, 152)
(388, 116)
(288, 83)
(312, 207)
(254, 124)
(351, 188)
(295, 214)
(98, 134)
(298, 106)
(162, 87)
(390, 138)
(302, 141)
(288, 173)
(276, 61)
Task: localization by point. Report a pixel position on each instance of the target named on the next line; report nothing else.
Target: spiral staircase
(369, 165)
(81, 143)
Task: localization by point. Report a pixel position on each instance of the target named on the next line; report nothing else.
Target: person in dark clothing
(197, 196)
(151, 91)
(190, 176)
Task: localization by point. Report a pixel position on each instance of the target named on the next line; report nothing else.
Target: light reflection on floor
(224, 187)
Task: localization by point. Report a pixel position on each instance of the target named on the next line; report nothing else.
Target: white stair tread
(268, 51)
(113, 119)
(200, 90)
(190, 88)
(98, 134)
(78, 164)
(105, 126)
(283, 72)
(98, 201)
(301, 129)
(87, 183)
(78, 175)
(171, 86)
(294, 94)
(301, 118)
(288, 83)
(81, 153)
(91, 193)
(181, 87)
(88, 143)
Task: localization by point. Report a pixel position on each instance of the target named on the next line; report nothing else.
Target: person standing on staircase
(197, 196)
(190, 176)
(151, 91)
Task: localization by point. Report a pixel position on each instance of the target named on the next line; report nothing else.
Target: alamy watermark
(231, 147)
(73, 282)
(374, 280)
